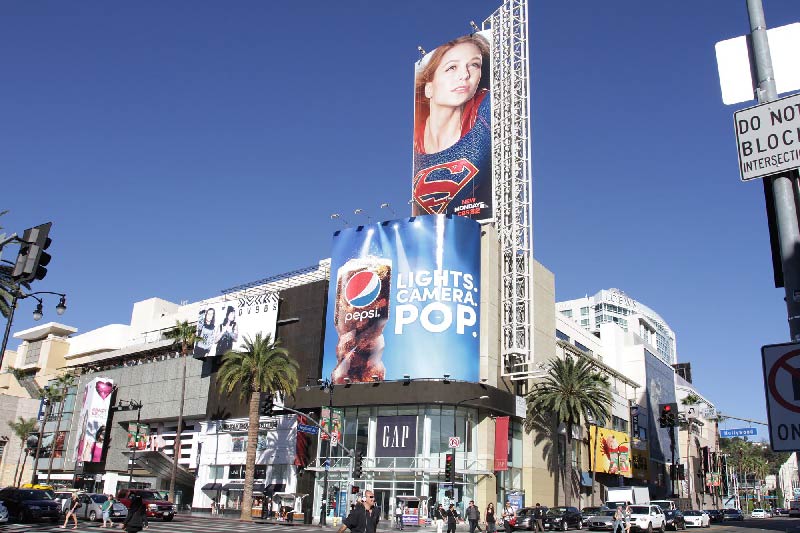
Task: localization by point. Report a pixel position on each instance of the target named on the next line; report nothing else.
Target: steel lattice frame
(511, 164)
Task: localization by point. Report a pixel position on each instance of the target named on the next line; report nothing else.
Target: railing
(405, 464)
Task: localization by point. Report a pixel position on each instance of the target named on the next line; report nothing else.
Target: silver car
(602, 520)
(91, 507)
(3, 514)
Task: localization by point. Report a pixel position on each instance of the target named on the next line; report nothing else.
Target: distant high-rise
(613, 305)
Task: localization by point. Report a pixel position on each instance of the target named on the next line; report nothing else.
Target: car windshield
(730, 511)
(99, 498)
(590, 509)
(35, 495)
(608, 513)
(692, 513)
(557, 510)
(640, 509)
(147, 495)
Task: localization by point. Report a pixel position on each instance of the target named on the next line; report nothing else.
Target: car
(3, 514)
(647, 518)
(91, 507)
(587, 512)
(604, 520)
(63, 497)
(563, 518)
(732, 515)
(523, 519)
(673, 519)
(780, 511)
(759, 513)
(695, 518)
(156, 507)
(714, 514)
(26, 505)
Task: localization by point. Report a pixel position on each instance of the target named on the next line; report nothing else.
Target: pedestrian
(364, 517)
(627, 512)
(508, 514)
(538, 518)
(438, 517)
(137, 514)
(398, 516)
(473, 514)
(74, 505)
(213, 507)
(105, 509)
(452, 518)
(491, 521)
(619, 517)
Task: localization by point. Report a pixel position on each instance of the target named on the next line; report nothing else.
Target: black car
(563, 518)
(26, 505)
(714, 514)
(732, 514)
(674, 520)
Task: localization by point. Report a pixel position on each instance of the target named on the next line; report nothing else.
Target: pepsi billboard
(404, 299)
(452, 171)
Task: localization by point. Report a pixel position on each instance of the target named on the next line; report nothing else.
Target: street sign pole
(785, 214)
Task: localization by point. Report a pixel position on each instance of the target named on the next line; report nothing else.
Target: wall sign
(397, 436)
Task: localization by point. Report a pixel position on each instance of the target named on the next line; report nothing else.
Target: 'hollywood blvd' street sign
(741, 432)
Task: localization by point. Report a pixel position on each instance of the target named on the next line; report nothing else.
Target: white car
(759, 513)
(648, 518)
(695, 518)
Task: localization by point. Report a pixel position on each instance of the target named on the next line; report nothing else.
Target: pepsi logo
(362, 289)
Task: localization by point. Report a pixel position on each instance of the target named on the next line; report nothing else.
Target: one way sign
(782, 386)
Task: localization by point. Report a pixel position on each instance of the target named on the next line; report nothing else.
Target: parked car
(647, 518)
(695, 518)
(714, 514)
(780, 511)
(759, 513)
(588, 512)
(26, 505)
(156, 507)
(91, 507)
(732, 514)
(3, 514)
(563, 518)
(523, 519)
(603, 520)
(63, 497)
(673, 519)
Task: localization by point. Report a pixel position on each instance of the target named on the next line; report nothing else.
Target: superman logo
(436, 186)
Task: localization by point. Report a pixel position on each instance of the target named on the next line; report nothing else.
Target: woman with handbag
(74, 505)
(491, 521)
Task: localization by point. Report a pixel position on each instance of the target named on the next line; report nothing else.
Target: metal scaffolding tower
(511, 173)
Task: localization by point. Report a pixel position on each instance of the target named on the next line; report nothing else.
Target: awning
(212, 486)
(586, 479)
(272, 488)
(258, 487)
(234, 486)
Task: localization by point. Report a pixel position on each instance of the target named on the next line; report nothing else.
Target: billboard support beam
(782, 186)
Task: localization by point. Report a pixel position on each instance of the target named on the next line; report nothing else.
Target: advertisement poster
(611, 451)
(326, 420)
(640, 464)
(404, 299)
(223, 326)
(90, 444)
(138, 435)
(452, 130)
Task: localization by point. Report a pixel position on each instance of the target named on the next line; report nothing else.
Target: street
(205, 524)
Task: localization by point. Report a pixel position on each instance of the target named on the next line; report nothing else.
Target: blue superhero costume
(459, 179)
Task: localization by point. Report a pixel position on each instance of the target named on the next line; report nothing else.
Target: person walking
(452, 518)
(619, 516)
(74, 504)
(438, 517)
(508, 514)
(627, 517)
(398, 516)
(491, 521)
(538, 518)
(213, 507)
(105, 510)
(473, 515)
(364, 517)
(137, 513)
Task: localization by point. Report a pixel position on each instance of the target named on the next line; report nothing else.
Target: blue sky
(181, 148)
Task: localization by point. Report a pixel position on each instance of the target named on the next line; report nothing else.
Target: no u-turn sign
(782, 386)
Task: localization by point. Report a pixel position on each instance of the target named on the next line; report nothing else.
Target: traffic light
(355, 489)
(267, 404)
(32, 258)
(358, 465)
(681, 472)
(449, 467)
(669, 415)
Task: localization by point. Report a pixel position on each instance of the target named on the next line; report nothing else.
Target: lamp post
(455, 434)
(17, 295)
(326, 384)
(131, 405)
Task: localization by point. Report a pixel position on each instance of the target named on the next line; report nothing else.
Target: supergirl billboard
(403, 299)
(452, 130)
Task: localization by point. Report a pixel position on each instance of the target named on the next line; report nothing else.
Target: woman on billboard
(452, 133)
(206, 336)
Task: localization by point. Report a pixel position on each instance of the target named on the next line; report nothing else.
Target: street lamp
(38, 313)
(131, 405)
(326, 384)
(455, 434)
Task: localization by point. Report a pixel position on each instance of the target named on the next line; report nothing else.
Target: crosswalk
(182, 524)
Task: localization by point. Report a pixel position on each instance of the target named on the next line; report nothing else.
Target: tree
(183, 335)
(261, 366)
(22, 428)
(570, 391)
(58, 393)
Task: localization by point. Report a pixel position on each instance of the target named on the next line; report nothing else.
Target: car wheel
(167, 518)
(650, 528)
(663, 527)
(92, 515)
(580, 524)
(564, 525)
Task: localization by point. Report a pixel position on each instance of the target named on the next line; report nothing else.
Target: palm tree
(183, 335)
(261, 366)
(22, 429)
(571, 391)
(59, 391)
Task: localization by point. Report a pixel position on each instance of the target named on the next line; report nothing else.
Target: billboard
(222, 326)
(90, 444)
(452, 130)
(403, 299)
(611, 451)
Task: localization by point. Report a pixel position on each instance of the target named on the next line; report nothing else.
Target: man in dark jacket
(452, 519)
(473, 514)
(364, 517)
